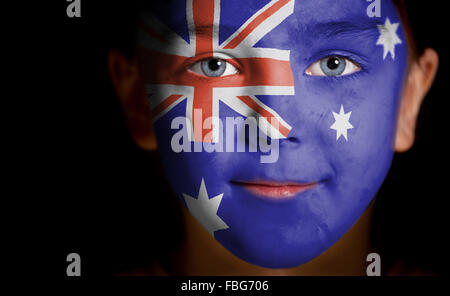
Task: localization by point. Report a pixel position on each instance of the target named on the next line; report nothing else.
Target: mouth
(274, 189)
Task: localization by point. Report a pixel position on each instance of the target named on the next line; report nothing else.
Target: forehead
(313, 24)
(318, 11)
(233, 13)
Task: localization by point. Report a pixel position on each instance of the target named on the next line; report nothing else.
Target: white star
(341, 124)
(388, 38)
(204, 209)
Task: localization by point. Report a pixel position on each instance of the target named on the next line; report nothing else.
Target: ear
(130, 91)
(420, 78)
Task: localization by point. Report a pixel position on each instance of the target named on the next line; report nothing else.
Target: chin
(288, 253)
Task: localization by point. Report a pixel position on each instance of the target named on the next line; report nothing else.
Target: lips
(275, 190)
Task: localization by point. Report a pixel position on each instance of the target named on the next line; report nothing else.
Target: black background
(107, 200)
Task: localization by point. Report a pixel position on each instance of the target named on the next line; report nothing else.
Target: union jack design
(267, 71)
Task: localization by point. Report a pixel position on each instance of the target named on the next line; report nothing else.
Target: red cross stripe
(165, 57)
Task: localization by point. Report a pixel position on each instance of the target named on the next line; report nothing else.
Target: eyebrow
(343, 28)
(201, 30)
(336, 29)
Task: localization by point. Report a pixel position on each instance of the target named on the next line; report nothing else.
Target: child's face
(329, 166)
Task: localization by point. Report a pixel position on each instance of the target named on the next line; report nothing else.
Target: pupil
(333, 63)
(214, 64)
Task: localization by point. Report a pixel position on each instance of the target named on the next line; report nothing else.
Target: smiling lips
(275, 190)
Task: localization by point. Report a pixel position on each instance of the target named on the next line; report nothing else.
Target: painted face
(318, 83)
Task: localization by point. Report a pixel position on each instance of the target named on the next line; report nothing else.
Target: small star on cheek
(342, 123)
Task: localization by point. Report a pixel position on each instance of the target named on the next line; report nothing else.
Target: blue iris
(333, 66)
(213, 67)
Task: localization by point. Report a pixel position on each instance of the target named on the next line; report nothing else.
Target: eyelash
(360, 61)
(352, 57)
(202, 57)
(352, 76)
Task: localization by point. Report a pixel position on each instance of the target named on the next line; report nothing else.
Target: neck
(346, 257)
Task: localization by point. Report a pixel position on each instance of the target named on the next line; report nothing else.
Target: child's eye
(332, 66)
(213, 67)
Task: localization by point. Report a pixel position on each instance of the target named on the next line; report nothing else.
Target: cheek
(374, 103)
(362, 162)
(186, 169)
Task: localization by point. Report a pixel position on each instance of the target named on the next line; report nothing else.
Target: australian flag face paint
(302, 98)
